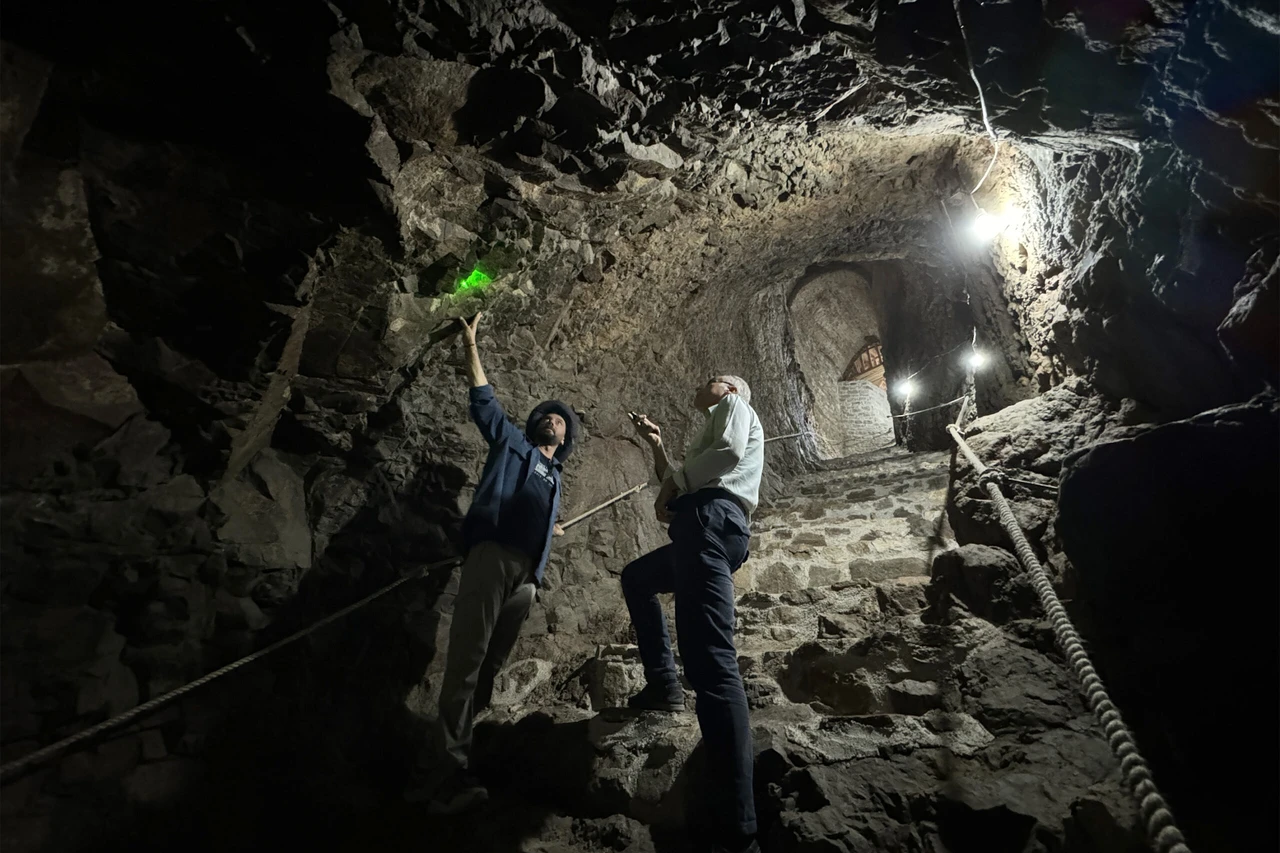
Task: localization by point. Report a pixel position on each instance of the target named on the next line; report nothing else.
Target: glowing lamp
(986, 226)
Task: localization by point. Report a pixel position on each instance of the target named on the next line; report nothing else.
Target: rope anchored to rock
(1161, 829)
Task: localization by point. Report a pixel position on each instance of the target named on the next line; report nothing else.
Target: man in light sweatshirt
(708, 503)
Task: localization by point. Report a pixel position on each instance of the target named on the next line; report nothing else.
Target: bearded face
(550, 430)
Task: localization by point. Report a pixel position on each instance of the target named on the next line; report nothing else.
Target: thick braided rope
(13, 768)
(1161, 830)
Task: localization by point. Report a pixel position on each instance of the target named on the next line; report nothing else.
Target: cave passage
(237, 241)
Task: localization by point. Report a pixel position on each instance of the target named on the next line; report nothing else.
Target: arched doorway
(864, 401)
(837, 344)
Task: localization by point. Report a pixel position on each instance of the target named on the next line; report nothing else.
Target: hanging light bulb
(905, 388)
(976, 360)
(986, 227)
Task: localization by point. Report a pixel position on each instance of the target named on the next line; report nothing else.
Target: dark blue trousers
(709, 540)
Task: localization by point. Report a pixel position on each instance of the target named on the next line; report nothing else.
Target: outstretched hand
(469, 329)
(646, 429)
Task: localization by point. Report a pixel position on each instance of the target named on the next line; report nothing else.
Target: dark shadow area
(295, 749)
(965, 829)
(1173, 536)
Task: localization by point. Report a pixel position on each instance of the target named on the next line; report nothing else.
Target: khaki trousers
(495, 593)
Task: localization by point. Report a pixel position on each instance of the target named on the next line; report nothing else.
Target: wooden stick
(631, 491)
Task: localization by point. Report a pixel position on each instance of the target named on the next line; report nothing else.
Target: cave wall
(1142, 595)
(1126, 509)
(232, 403)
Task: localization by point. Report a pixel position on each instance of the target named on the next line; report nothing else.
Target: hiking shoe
(459, 792)
(658, 697)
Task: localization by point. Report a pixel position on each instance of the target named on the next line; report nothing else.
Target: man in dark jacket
(507, 533)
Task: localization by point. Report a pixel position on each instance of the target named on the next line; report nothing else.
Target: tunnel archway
(837, 336)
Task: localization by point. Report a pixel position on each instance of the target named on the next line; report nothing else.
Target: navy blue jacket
(509, 465)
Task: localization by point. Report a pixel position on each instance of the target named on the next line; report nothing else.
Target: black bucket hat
(570, 425)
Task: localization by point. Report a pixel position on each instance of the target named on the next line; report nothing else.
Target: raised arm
(731, 425)
(486, 411)
(475, 371)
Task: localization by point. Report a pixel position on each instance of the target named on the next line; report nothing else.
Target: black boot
(658, 697)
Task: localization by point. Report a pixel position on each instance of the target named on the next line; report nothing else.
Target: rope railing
(1162, 832)
(930, 409)
(15, 768)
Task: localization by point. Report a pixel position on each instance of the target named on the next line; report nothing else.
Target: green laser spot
(475, 281)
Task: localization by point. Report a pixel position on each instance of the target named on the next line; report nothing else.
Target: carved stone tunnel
(235, 240)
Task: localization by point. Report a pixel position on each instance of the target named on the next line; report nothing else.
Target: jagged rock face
(1143, 573)
(1131, 519)
(231, 254)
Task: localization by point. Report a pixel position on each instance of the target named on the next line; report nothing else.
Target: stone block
(914, 697)
(518, 681)
(76, 769)
(781, 577)
(19, 797)
(888, 568)
(827, 575)
(70, 634)
(563, 619)
(111, 693)
(240, 611)
(842, 625)
(615, 678)
(180, 496)
(53, 301)
(134, 450)
(115, 758)
(266, 519)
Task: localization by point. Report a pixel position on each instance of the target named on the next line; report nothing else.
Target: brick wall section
(867, 425)
(831, 318)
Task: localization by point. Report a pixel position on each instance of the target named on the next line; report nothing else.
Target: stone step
(903, 478)
(859, 466)
(872, 519)
(839, 510)
(843, 674)
(902, 482)
(785, 576)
